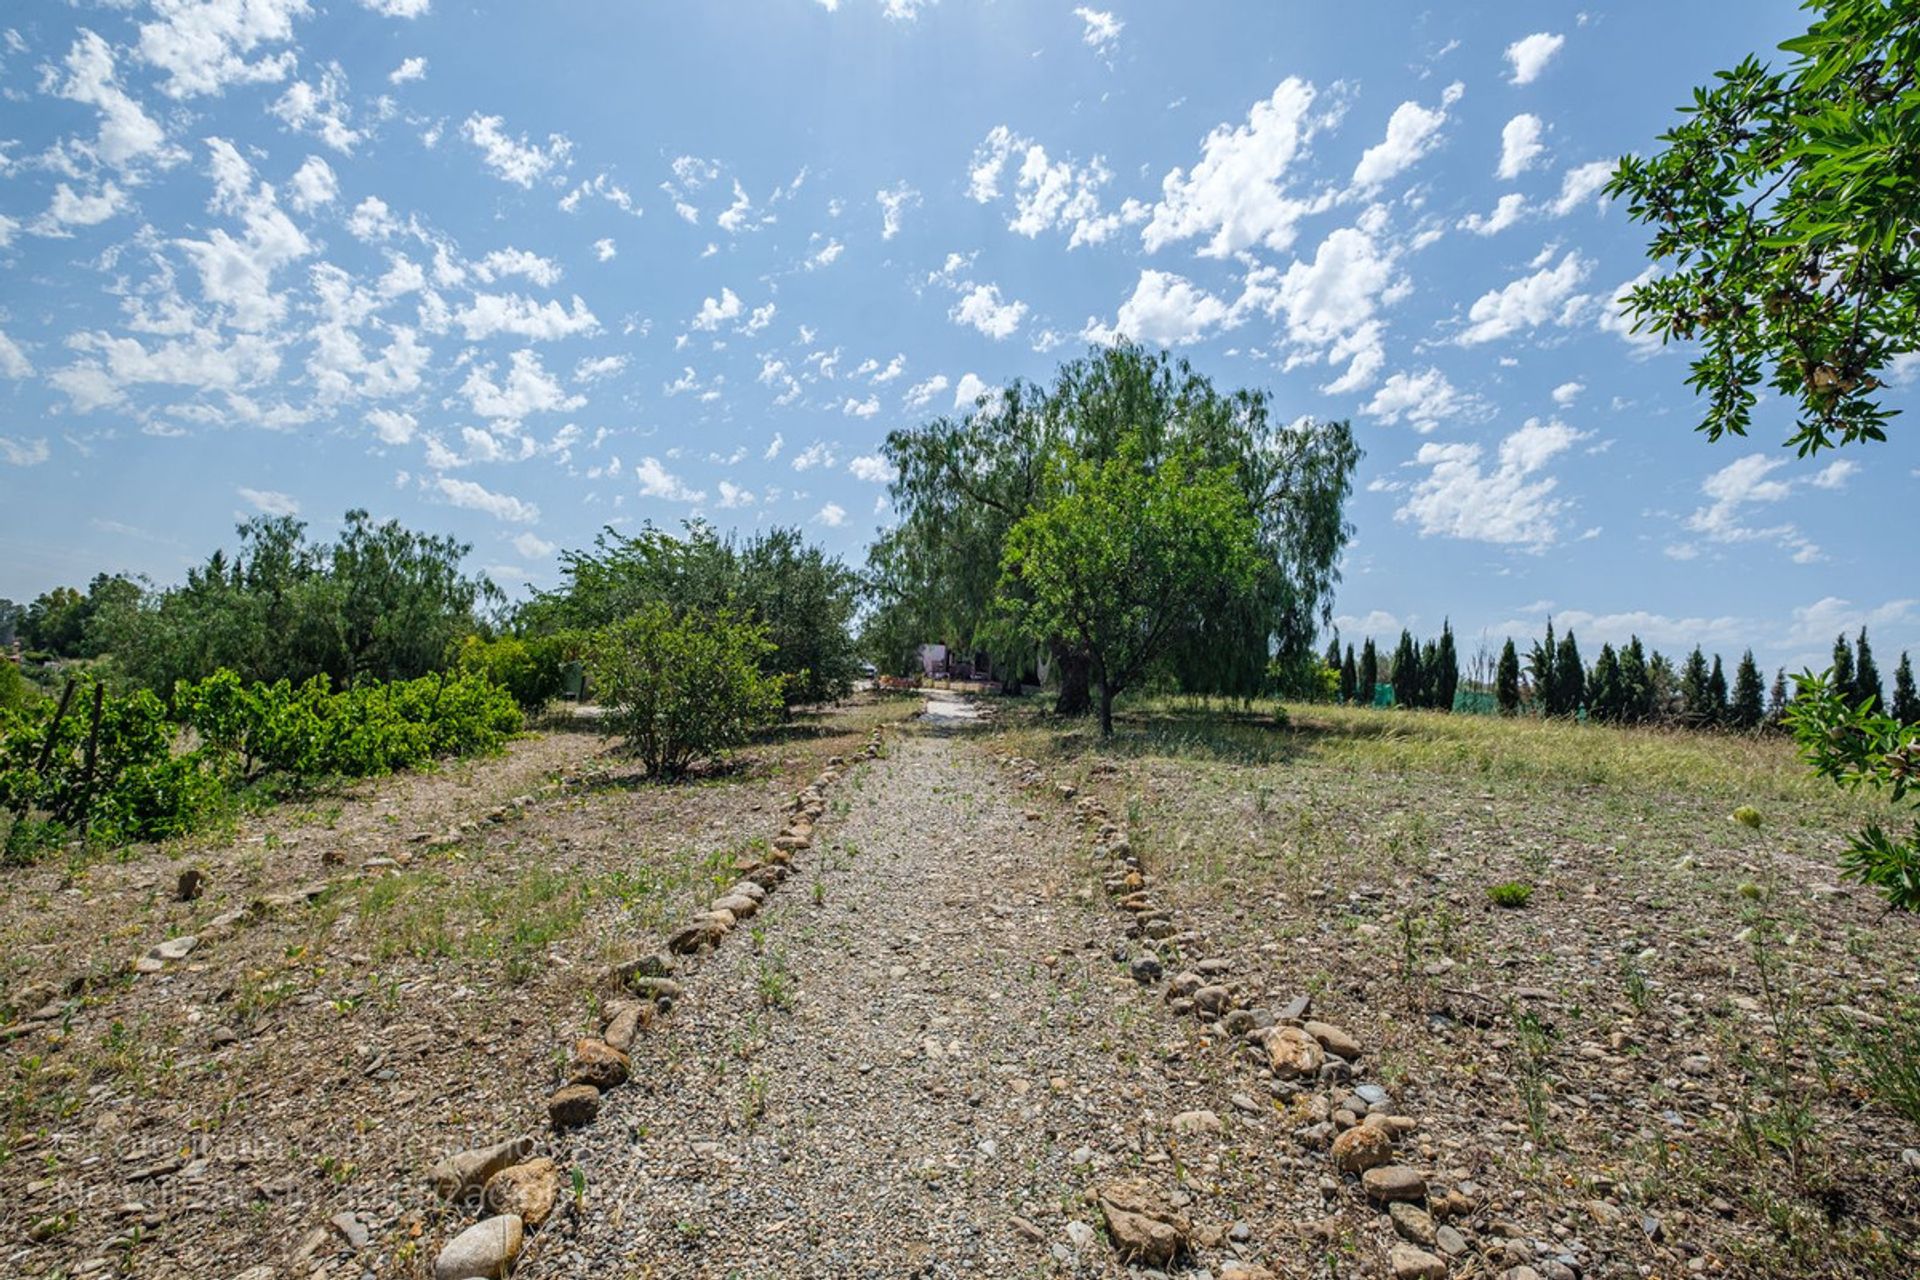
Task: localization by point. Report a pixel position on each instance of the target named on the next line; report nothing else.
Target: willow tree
(962, 483)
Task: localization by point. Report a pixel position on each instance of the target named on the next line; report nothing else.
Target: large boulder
(526, 1191)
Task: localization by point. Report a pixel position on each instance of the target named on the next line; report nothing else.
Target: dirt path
(916, 1065)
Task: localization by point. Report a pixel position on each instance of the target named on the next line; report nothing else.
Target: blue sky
(518, 271)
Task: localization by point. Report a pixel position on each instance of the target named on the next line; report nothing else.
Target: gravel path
(915, 1065)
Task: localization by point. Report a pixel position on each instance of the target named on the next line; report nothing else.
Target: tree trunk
(1076, 672)
(1106, 711)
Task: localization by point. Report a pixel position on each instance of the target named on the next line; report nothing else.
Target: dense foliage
(681, 687)
(119, 767)
(962, 485)
(380, 602)
(1847, 740)
(532, 669)
(802, 599)
(1786, 210)
(1128, 556)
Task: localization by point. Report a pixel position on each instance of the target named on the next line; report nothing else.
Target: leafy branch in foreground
(1857, 746)
(1785, 206)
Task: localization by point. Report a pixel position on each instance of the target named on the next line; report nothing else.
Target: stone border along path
(517, 1190)
(1295, 1055)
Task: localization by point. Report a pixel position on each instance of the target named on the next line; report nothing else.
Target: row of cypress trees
(1423, 674)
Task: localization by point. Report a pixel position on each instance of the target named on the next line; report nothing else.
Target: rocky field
(961, 990)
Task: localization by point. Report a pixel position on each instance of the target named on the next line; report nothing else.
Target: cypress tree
(1447, 678)
(1636, 689)
(1540, 669)
(1866, 674)
(1906, 702)
(1570, 675)
(1696, 704)
(1604, 700)
(1777, 697)
(1369, 672)
(1332, 659)
(1406, 672)
(1749, 706)
(1842, 667)
(1506, 680)
(1428, 693)
(1717, 692)
(1349, 677)
(1663, 688)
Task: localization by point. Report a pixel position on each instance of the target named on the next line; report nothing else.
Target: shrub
(532, 669)
(682, 689)
(1513, 893)
(1858, 747)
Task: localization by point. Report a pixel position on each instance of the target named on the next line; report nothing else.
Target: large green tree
(1129, 553)
(1506, 681)
(1786, 216)
(962, 483)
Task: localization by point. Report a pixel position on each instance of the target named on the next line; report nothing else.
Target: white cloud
(826, 255)
(982, 308)
(833, 515)
(1506, 211)
(732, 496)
(70, 208)
(1815, 625)
(1509, 505)
(518, 262)
(1102, 30)
(1412, 132)
(533, 546)
(1616, 319)
(470, 496)
(496, 313)
(657, 482)
(604, 249)
(1750, 482)
(520, 161)
(1423, 399)
(313, 185)
(13, 361)
(392, 426)
(717, 311)
(602, 187)
(372, 220)
(320, 109)
(24, 453)
(528, 388)
(969, 391)
(1332, 303)
(1529, 55)
(270, 501)
(872, 468)
(922, 393)
(409, 70)
(1546, 296)
(904, 10)
(202, 45)
(127, 132)
(773, 447)
(867, 408)
(399, 8)
(1520, 145)
(1567, 392)
(1236, 195)
(1579, 185)
(894, 202)
(1048, 194)
(814, 455)
(1165, 310)
(236, 273)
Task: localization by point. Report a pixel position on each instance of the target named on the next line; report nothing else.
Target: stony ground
(1246, 983)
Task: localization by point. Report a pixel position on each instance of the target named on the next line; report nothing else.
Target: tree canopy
(962, 484)
(1785, 209)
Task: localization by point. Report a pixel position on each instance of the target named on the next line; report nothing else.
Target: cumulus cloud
(894, 202)
(982, 308)
(1236, 195)
(24, 453)
(409, 70)
(1332, 303)
(922, 393)
(817, 454)
(313, 185)
(657, 482)
(1530, 55)
(1745, 486)
(1423, 399)
(715, 312)
(204, 45)
(1579, 185)
(1510, 503)
(1506, 211)
(833, 515)
(1546, 296)
(13, 361)
(392, 426)
(236, 272)
(470, 496)
(516, 160)
(1520, 145)
(127, 133)
(270, 501)
(1165, 310)
(1412, 132)
(1101, 30)
(527, 389)
(510, 313)
(872, 468)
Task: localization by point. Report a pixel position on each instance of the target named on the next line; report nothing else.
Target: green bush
(15, 693)
(532, 670)
(1858, 747)
(1512, 894)
(683, 689)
